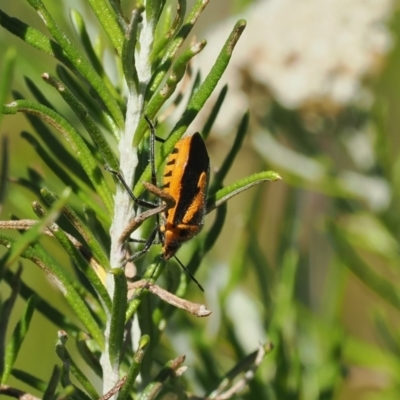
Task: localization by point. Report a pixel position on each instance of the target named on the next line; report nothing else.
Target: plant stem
(123, 207)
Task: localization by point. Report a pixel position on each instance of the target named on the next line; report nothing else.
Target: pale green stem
(123, 207)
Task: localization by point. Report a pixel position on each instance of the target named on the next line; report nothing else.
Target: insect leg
(149, 242)
(139, 202)
(152, 150)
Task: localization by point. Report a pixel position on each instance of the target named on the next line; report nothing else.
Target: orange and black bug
(185, 184)
(185, 180)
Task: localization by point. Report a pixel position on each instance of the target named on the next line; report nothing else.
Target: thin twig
(248, 366)
(199, 310)
(26, 224)
(136, 222)
(172, 369)
(115, 389)
(16, 393)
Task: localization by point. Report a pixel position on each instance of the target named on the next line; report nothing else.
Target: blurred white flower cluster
(304, 53)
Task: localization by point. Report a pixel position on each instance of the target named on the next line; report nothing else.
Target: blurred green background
(310, 263)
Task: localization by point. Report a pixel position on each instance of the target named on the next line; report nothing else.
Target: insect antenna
(189, 274)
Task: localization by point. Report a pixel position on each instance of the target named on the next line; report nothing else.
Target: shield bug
(184, 190)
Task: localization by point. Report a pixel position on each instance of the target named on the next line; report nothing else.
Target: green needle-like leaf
(79, 61)
(118, 316)
(33, 37)
(8, 61)
(166, 36)
(29, 379)
(239, 186)
(79, 261)
(6, 309)
(111, 24)
(34, 233)
(134, 368)
(58, 276)
(175, 44)
(84, 192)
(159, 99)
(78, 145)
(96, 110)
(49, 393)
(81, 227)
(43, 306)
(17, 338)
(3, 171)
(214, 113)
(383, 287)
(80, 28)
(85, 118)
(229, 159)
(89, 355)
(66, 358)
(128, 53)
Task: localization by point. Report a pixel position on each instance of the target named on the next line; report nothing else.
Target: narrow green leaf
(67, 393)
(207, 87)
(116, 6)
(35, 232)
(43, 306)
(128, 53)
(214, 113)
(153, 388)
(8, 61)
(33, 37)
(50, 139)
(3, 171)
(284, 306)
(117, 327)
(80, 188)
(381, 286)
(72, 136)
(71, 58)
(167, 35)
(86, 120)
(229, 159)
(17, 338)
(83, 264)
(79, 61)
(57, 275)
(96, 225)
(29, 379)
(80, 29)
(153, 10)
(91, 356)
(6, 309)
(81, 227)
(96, 110)
(70, 364)
(175, 44)
(49, 393)
(112, 25)
(159, 99)
(246, 366)
(134, 368)
(239, 186)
